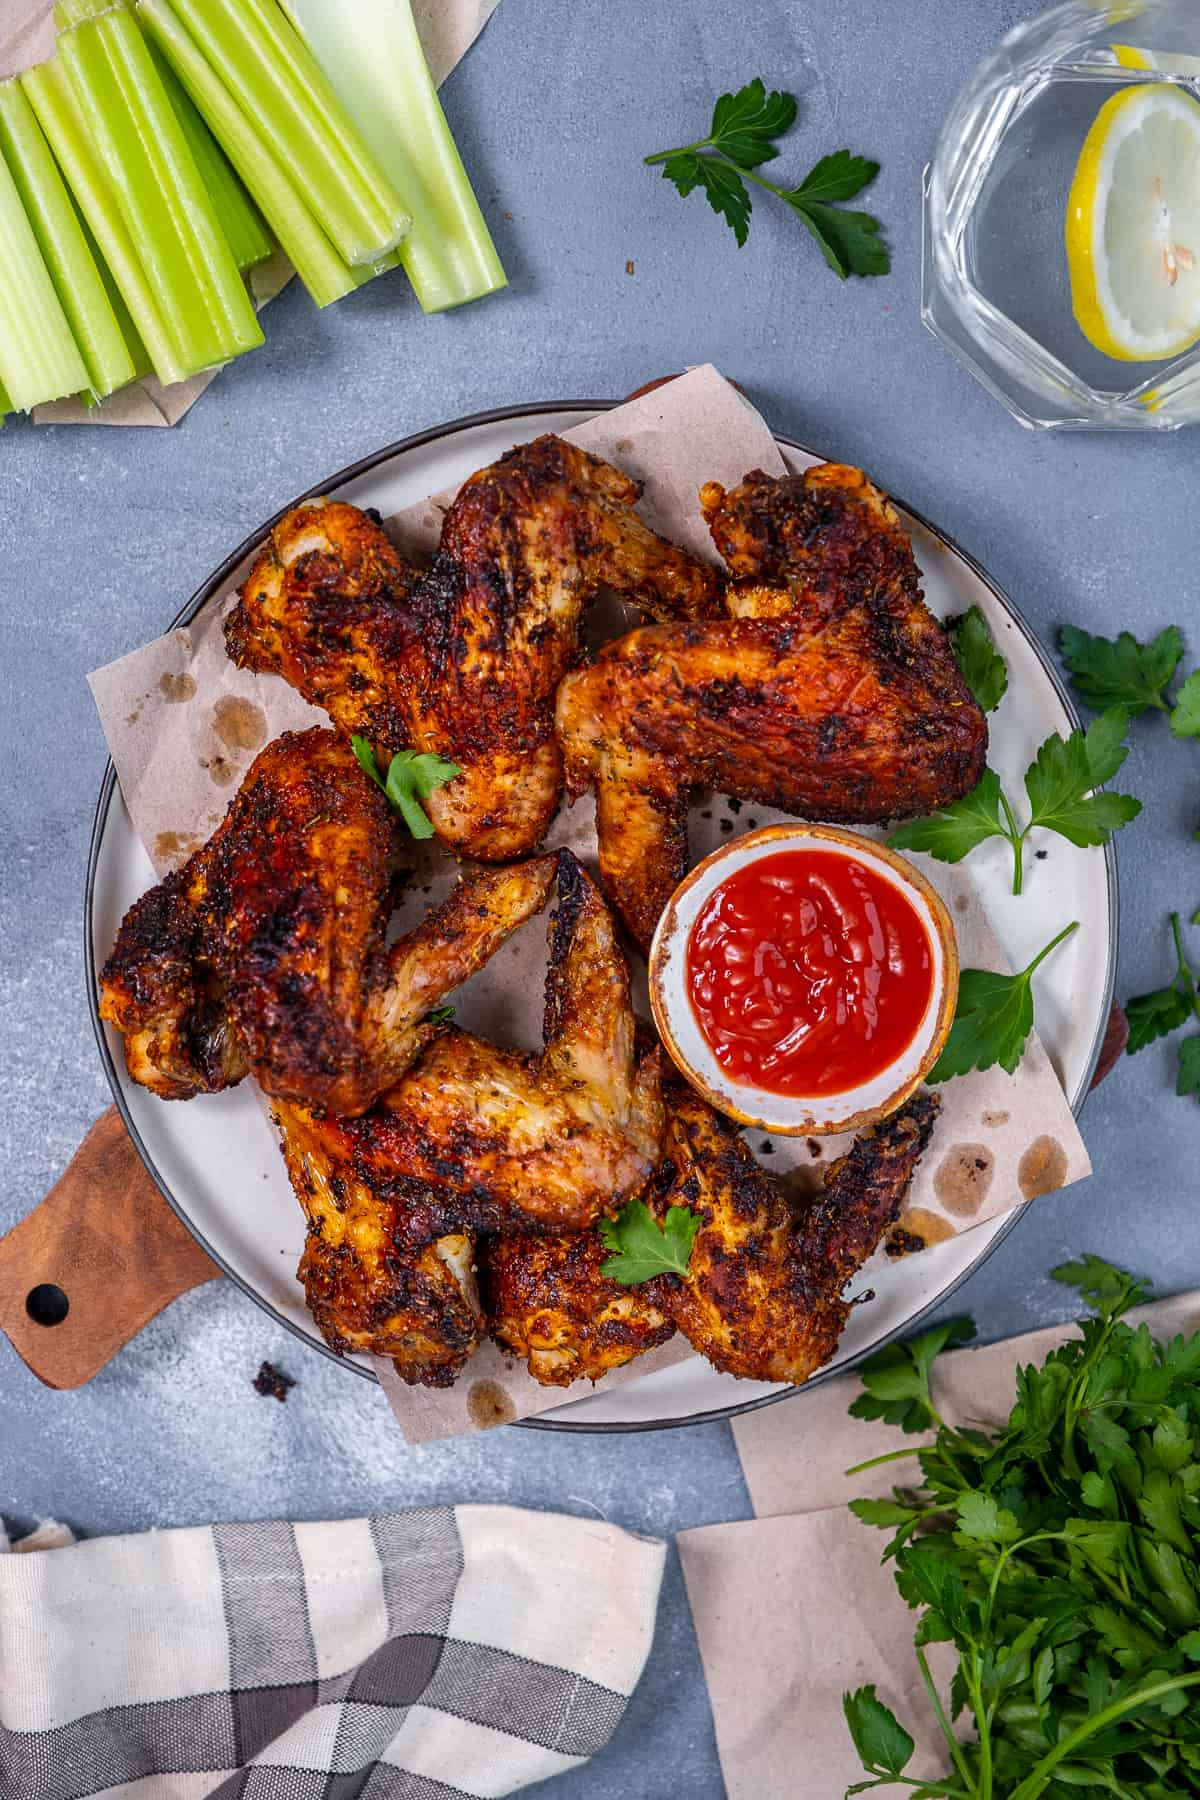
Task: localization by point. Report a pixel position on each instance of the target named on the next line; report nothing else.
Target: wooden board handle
(105, 1243)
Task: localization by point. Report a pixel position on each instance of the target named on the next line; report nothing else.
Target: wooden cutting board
(98, 1258)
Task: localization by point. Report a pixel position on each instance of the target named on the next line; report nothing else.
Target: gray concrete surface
(102, 534)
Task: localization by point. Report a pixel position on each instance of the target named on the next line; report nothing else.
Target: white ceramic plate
(215, 1159)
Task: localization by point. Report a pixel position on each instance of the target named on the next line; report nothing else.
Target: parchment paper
(183, 725)
(447, 29)
(26, 35)
(794, 1608)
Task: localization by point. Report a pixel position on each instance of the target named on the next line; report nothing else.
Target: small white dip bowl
(795, 1115)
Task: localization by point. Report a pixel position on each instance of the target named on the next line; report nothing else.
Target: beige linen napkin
(457, 1651)
(793, 1608)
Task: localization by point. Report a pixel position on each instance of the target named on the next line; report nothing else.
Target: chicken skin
(495, 1139)
(265, 952)
(829, 691)
(464, 660)
(763, 1297)
(376, 1275)
(549, 1304)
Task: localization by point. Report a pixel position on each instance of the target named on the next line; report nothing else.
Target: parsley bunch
(1152, 1016)
(740, 140)
(1060, 1555)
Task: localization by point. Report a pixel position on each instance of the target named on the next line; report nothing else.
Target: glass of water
(1001, 288)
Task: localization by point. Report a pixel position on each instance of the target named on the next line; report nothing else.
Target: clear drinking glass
(996, 286)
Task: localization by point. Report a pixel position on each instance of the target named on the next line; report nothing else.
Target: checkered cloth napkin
(446, 1654)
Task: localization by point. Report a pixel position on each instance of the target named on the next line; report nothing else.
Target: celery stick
(56, 226)
(39, 358)
(153, 176)
(324, 273)
(138, 353)
(50, 92)
(274, 78)
(372, 54)
(237, 215)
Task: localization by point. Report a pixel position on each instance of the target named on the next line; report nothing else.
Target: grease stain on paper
(917, 1221)
(963, 1177)
(239, 724)
(176, 688)
(1042, 1168)
(489, 1405)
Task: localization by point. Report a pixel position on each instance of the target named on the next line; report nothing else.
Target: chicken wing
(763, 1297)
(265, 952)
(830, 692)
(377, 1275)
(498, 1138)
(466, 659)
(549, 1304)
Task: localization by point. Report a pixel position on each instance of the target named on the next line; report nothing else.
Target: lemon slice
(1169, 62)
(1133, 225)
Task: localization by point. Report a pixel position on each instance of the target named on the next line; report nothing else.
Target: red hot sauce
(809, 973)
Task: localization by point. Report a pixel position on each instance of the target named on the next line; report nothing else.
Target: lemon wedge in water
(1133, 225)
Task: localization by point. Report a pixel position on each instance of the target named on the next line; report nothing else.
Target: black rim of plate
(218, 579)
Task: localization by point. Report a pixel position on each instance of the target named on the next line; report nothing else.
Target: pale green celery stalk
(156, 183)
(140, 356)
(77, 281)
(39, 358)
(237, 215)
(325, 274)
(372, 54)
(51, 93)
(276, 81)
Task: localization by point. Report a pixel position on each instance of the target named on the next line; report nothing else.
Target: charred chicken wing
(266, 953)
(763, 1296)
(378, 1276)
(549, 1304)
(830, 691)
(466, 659)
(495, 1138)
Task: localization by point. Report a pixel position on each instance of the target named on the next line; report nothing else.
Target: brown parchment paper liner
(183, 725)
(447, 29)
(793, 1608)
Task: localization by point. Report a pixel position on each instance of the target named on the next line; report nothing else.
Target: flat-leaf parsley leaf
(411, 778)
(741, 138)
(642, 1248)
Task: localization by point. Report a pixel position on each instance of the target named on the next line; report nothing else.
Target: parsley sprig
(1059, 784)
(1060, 1556)
(993, 1017)
(1152, 1016)
(740, 139)
(1123, 672)
(411, 778)
(642, 1249)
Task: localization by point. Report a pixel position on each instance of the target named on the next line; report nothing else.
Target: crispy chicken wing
(377, 1275)
(830, 692)
(501, 1139)
(763, 1296)
(549, 1304)
(466, 659)
(265, 952)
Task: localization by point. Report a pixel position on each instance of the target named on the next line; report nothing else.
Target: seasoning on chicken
(499, 1139)
(466, 659)
(763, 1297)
(377, 1276)
(830, 691)
(265, 952)
(549, 1304)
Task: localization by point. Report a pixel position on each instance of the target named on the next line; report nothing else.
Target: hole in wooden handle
(46, 1304)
